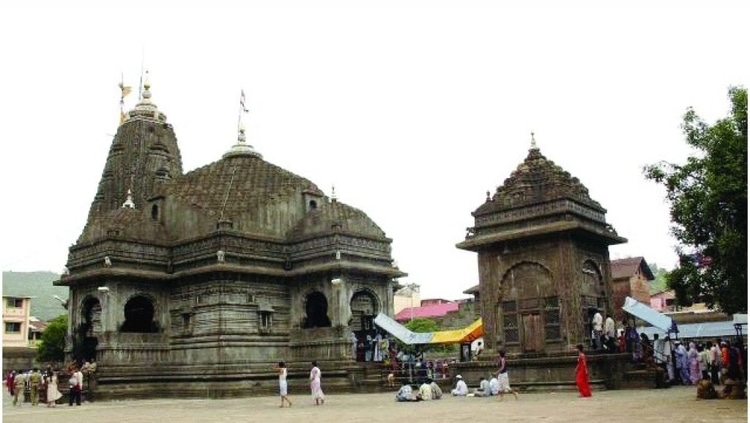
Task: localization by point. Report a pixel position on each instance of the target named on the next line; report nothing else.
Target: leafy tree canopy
(51, 349)
(708, 196)
(659, 283)
(422, 325)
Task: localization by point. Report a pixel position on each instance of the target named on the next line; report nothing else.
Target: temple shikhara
(202, 279)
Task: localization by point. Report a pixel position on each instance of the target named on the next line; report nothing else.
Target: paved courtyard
(676, 404)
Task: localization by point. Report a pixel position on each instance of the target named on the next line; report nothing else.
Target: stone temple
(543, 259)
(195, 283)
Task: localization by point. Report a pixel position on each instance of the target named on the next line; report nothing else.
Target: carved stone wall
(543, 259)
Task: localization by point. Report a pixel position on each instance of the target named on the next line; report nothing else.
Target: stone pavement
(676, 404)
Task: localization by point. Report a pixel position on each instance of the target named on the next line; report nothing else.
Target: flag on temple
(242, 101)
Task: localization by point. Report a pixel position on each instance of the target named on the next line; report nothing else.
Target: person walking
(19, 386)
(315, 389)
(9, 381)
(502, 376)
(582, 374)
(281, 369)
(53, 394)
(35, 382)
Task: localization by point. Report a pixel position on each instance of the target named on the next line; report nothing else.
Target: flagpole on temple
(243, 109)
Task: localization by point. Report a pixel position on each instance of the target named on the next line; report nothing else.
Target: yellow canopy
(467, 334)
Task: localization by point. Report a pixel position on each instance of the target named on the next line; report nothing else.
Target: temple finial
(241, 137)
(333, 192)
(533, 142)
(146, 94)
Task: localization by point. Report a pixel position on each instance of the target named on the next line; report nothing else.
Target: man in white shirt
(494, 386)
(609, 333)
(76, 386)
(596, 323)
(714, 359)
(461, 389)
(484, 388)
(405, 393)
(425, 391)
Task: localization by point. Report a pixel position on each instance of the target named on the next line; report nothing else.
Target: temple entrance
(528, 310)
(364, 309)
(139, 316)
(316, 310)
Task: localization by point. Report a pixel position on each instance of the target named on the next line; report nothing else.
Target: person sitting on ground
(484, 388)
(494, 385)
(404, 394)
(461, 389)
(425, 391)
(437, 393)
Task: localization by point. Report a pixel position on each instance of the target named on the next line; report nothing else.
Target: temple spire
(533, 142)
(145, 109)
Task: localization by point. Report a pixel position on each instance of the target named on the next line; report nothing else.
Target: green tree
(659, 283)
(52, 345)
(422, 325)
(708, 197)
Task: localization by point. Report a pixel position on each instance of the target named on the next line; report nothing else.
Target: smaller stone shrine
(543, 259)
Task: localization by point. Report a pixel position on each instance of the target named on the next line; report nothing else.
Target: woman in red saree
(582, 373)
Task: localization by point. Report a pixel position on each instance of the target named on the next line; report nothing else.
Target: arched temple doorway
(528, 311)
(364, 307)
(91, 326)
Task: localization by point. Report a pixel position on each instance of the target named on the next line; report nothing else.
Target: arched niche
(139, 315)
(316, 311)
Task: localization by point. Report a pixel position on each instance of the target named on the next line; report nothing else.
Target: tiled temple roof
(333, 216)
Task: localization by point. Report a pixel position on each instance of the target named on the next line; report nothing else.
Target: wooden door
(533, 333)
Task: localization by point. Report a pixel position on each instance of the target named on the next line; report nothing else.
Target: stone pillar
(337, 308)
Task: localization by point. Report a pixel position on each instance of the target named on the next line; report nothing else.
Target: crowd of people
(497, 384)
(719, 362)
(42, 386)
(681, 362)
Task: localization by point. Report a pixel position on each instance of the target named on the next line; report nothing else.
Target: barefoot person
(582, 373)
(281, 368)
(502, 376)
(315, 389)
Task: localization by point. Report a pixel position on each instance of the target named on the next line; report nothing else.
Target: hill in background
(38, 286)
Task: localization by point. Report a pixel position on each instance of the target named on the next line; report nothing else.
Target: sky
(411, 109)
